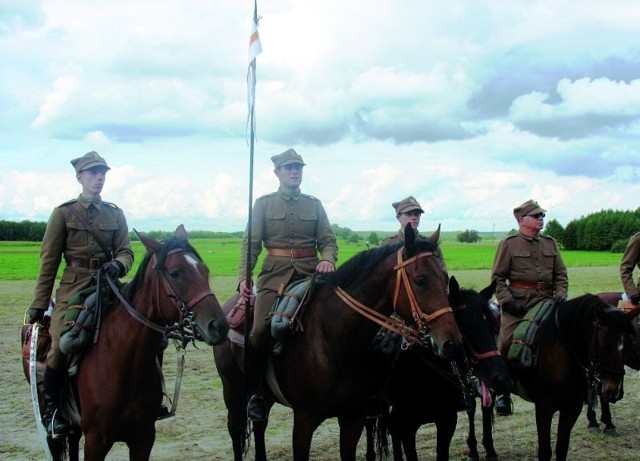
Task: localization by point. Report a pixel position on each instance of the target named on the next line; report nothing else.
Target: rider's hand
(246, 292)
(113, 268)
(35, 315)
(511, 307)
(324, 267)
(560, 299)
(635, 299)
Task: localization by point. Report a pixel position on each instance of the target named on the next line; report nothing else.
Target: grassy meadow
(198, 431)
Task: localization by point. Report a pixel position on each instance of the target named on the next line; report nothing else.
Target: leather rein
(410, 334)
(183, 306)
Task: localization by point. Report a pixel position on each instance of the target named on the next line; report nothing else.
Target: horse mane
(357, 269)
(168, 245)
(581, 311)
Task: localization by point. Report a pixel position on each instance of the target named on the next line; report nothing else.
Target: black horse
(428, 389)
(582, 345)
(633, 362)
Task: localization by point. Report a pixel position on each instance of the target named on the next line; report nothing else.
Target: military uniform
(404, 206)
(527, 270)
(293, 229)
(83, 255)
(67, 235)
(631, 260)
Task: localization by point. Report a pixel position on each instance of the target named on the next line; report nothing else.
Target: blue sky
(471, 106)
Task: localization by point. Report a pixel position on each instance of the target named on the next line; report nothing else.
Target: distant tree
(468, 236)
(512, 232)
(554, 229)
(373, 239)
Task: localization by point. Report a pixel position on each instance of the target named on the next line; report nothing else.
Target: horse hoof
(612, 432)
(594, 429)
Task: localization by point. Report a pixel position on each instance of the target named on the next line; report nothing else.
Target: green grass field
(470, 263)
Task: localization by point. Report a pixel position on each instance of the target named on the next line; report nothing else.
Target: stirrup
(164, 413)
(58, 428)
(257, 408)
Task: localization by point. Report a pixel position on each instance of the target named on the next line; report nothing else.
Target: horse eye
(420, 282)
(174, 273)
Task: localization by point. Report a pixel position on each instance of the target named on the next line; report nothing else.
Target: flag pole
(255, 49)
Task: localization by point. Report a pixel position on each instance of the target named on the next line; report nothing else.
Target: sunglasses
(537, 215)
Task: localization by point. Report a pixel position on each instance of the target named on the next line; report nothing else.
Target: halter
(475, 357)
(184, 307)
(410, 334)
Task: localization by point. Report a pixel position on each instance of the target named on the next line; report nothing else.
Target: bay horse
(428, 389)
(118, 383)
(583, 341)
(327, 368)
(633, 362)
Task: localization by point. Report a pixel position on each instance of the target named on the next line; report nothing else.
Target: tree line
(606, 230)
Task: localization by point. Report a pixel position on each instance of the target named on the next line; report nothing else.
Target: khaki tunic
(66, 236)
(532, 260)
(630, 260)
(287, 222)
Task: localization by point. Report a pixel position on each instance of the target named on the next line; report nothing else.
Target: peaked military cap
(406, 205)
(530, 207)
(288, 157)
(89, 160)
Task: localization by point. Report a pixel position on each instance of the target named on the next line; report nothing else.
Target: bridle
(473, 356)
(185, 308)
(397, 325)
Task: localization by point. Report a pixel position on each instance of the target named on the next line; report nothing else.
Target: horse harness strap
(475, 356)
(401, 276)
(396, 326)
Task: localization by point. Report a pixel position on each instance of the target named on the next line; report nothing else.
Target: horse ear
(488, 292)
(435, 237)
(454, 286)
(409, 235)
(151, 245)
(181, 233)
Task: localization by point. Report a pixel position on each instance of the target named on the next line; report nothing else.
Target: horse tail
(381, 432)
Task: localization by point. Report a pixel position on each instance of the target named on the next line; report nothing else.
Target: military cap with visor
(288, 157)
(88, 161)
(406, 205)
(528, 208)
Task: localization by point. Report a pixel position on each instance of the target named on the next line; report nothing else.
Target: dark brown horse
(327, 368)
(633, 362)
(118, 383)
(583, 341)
(427, 389)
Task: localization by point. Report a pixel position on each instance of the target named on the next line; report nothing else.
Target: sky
(472, 107)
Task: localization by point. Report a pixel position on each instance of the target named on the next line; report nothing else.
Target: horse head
(477, 323)
(613, 338)
(425, 294)
(181, 291)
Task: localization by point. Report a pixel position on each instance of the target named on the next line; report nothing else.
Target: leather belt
(92, 264)
(540, 286)
(293, 252)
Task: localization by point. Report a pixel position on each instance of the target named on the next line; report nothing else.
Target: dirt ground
(198, 431)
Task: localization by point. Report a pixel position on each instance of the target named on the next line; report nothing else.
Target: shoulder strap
(90, 230)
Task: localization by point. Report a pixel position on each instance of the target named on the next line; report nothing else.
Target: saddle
(283, 318)
(523, 352)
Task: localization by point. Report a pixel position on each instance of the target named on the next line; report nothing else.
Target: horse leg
(259, 429)
(396, 444)
(566, 421)
(74, 445)
(544, 415)
(446, 426)
(591, 413)
(605, 417)
(487, 433)
(350, 432)
(472, 442)
(303, 427)
(409, 443)
(95, 447)
(141, 444)
(370, 427)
